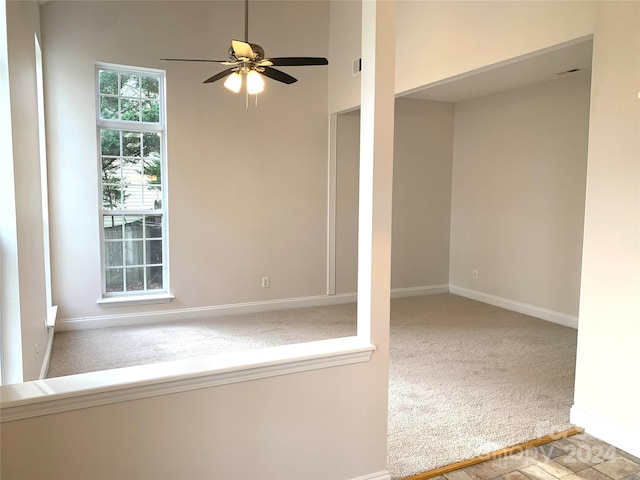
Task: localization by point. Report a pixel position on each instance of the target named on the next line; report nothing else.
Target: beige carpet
(466, 378)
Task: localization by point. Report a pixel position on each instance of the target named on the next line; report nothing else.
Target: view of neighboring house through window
(132, 160)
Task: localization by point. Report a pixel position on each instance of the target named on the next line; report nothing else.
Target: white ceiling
(540, 66)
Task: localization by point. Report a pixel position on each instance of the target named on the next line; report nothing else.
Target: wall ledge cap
(86, 390)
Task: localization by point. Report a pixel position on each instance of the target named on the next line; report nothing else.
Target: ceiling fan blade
(191, 60)
(298, 61)
(278, 75)
(218, 76)
(242, 49)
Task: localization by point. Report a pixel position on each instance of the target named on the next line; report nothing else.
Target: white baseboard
(520, 307)
(617, 435)
(119, 320)
(417, 291)
(383, 475)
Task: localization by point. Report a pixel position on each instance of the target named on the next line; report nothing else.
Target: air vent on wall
(357, 66)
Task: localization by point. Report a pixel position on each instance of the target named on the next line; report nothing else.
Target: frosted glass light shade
(255, 83)
(234, 82)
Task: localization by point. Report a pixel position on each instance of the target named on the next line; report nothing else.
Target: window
(131, 135)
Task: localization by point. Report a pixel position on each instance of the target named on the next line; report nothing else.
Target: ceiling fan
(248, 60)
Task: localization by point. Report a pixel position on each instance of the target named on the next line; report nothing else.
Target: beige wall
(253, 226)
(607, 390)
(23, 279)
(345, 44)
(423, 144)
(318, 425)
(518, 193)
(440, 39)
(479, 33)
(347, 178)
(422, 193)
(247, 190)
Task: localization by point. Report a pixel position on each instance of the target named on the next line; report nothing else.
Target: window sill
(135, 300)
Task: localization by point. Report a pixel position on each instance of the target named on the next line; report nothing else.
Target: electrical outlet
(266, 282)
(474, 273)
(356, 66)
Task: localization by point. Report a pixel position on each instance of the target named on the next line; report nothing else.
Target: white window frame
(137, 296)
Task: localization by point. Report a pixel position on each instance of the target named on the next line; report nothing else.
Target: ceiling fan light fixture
(233, 82)
(255, 83)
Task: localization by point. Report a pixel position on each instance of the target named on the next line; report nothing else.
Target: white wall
(519, 169)
(23, 278)
(607, 387)
(440, 39)
(247, 190)
(10, 335)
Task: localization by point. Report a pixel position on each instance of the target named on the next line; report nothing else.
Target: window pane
(133, 251)
(111, 197)
(154, 227)
(150, 111)
(112, 183)
(111, 172)
(154, 251)
(151, 142)
(131, 144)
(133, 227)
(114, 281)
(130, 109)
(153, 198)
(132, 182)
(108, 107)
(135, 278)
(129, 85)
(113, 254)
(110, 141)
(112, 227)
(133, 198)
(150, 86)
(154, 278)
(152, 172)
(132, 171)
(108, 82)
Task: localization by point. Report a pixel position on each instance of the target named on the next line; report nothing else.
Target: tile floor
(577, 457)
